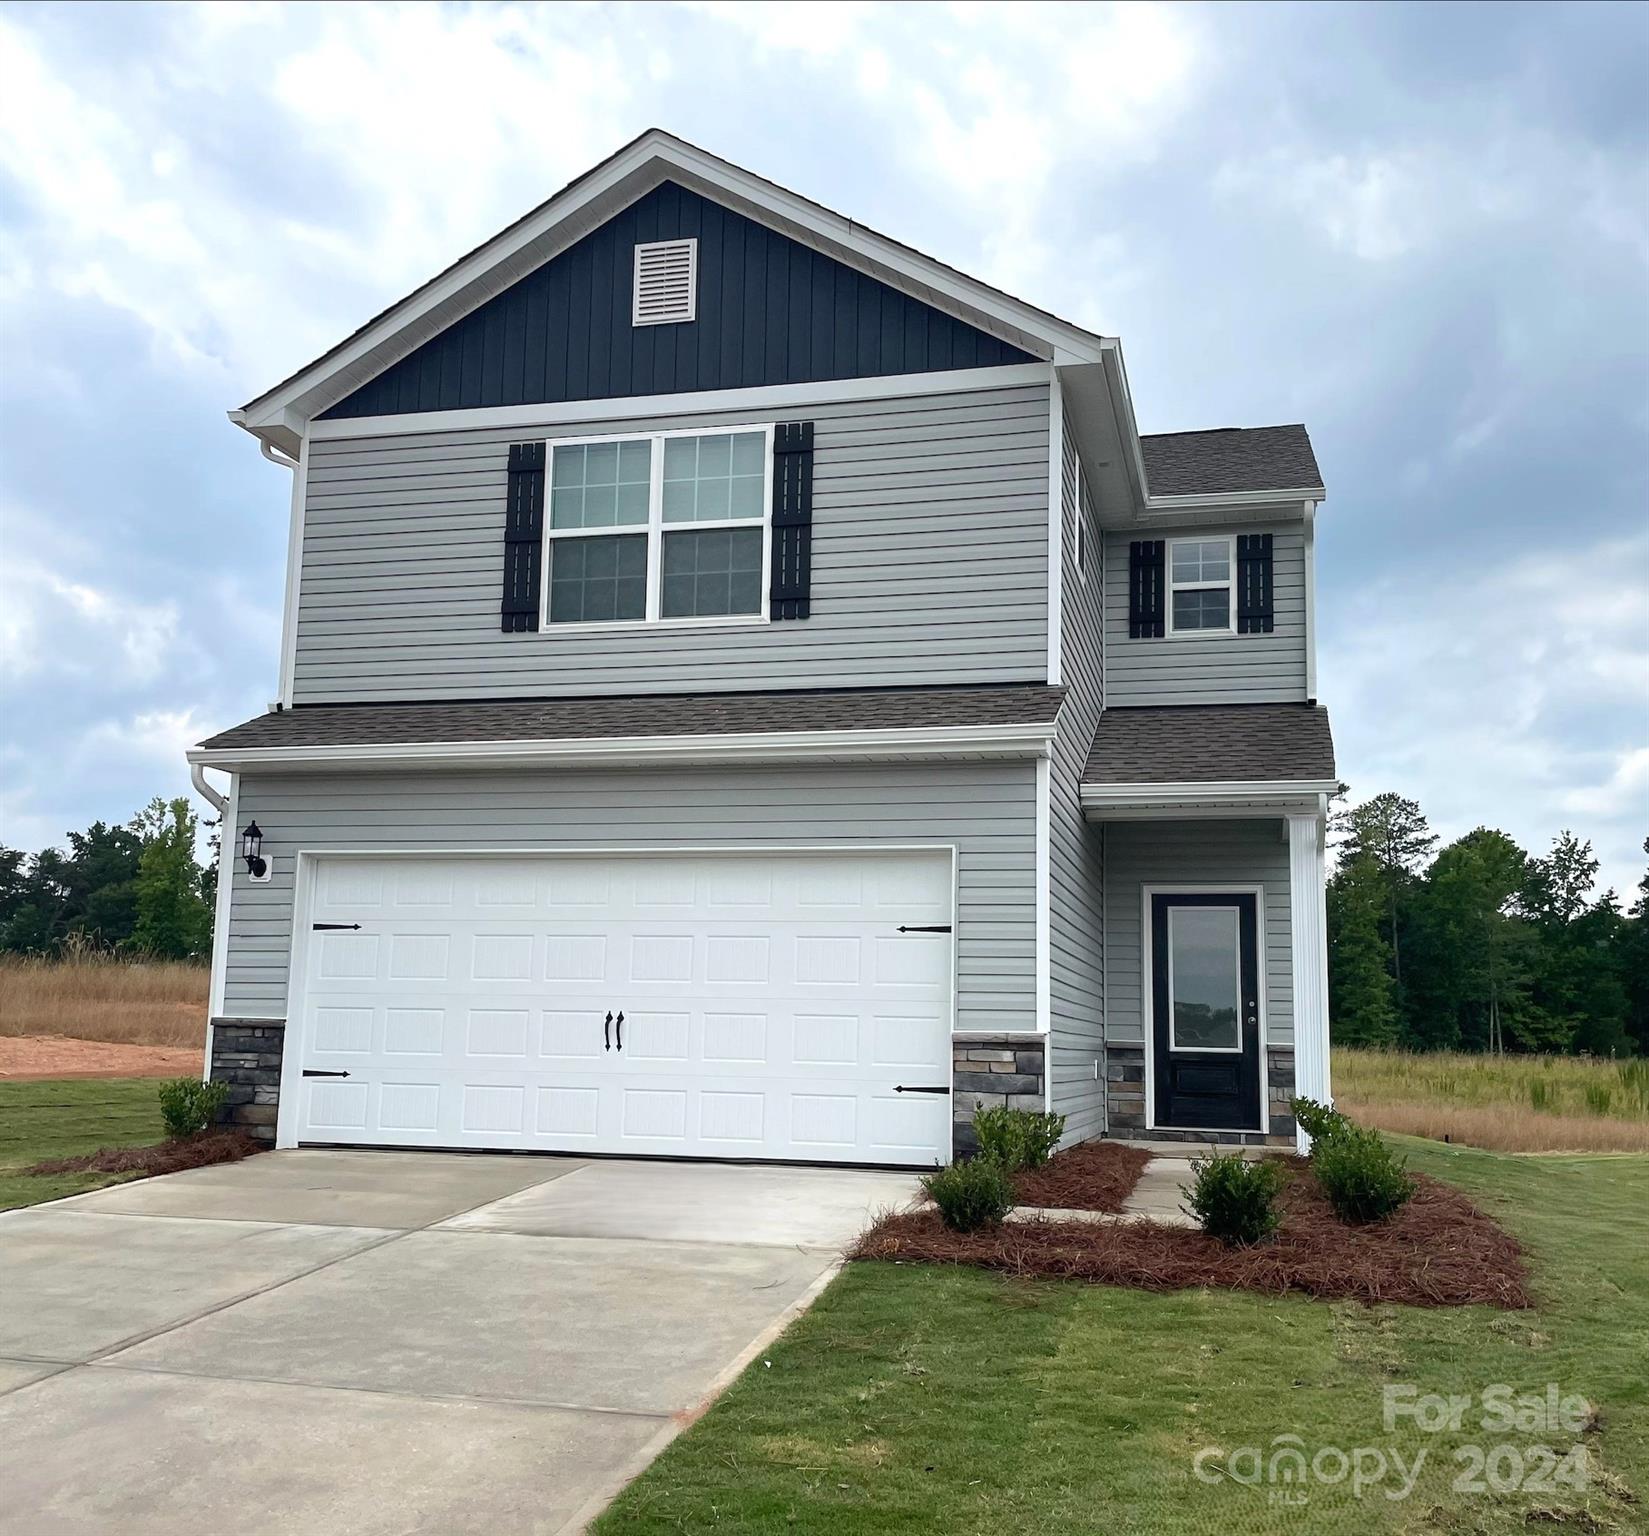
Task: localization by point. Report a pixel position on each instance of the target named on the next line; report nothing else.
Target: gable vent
(666, 281)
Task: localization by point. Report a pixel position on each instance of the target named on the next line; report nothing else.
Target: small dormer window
(667, 274)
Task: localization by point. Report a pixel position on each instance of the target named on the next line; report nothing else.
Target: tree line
(1479, 945)
(135, 889)
(1476, 946)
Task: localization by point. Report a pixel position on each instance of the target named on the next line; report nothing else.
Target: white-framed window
(660, 528)
(666, 282)
(1201, 586)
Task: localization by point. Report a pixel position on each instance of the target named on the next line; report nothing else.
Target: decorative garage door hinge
(924, 927)
(334, 927)
(315, 1072)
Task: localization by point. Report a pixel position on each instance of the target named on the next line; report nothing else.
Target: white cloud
(156, 737)
(52, 627)
(1625, 795)
(1516, 696)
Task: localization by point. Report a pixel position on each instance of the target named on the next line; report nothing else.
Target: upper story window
(672, 526)
(666, 282)
(1199, 584)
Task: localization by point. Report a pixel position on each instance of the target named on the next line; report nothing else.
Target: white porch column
(1309, 920)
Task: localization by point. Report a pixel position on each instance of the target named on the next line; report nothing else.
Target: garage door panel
(572, 1035)
(770, 1005)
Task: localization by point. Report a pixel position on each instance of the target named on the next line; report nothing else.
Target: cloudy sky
(1422, 230)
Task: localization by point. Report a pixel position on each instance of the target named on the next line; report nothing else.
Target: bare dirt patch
(1439, 1250)
(1091, 1176)
(51, 1056)
(163, 1157)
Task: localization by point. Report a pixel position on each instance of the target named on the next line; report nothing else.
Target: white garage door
(743, 1005)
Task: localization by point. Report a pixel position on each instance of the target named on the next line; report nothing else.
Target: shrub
(1361, 1177)
(1234, 1199)
(189, 1106)
(1016, 1138)
(970, 1195)
(1318, 1121)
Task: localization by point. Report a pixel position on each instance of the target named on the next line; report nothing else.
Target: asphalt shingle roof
(640, 715)
(1196, 743)
(1230, 459)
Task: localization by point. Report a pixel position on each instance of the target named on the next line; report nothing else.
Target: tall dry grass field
(140, 1002)
(1504, 1103)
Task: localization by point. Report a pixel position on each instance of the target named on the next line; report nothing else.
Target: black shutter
(1145, 584)
(1255, 615)
(792, 573)
(523, 537)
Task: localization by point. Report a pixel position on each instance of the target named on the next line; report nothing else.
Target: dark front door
(1206, 1012)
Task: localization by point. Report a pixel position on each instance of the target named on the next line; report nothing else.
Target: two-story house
(749, 690)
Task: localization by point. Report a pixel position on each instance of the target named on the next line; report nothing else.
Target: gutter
(1212, 792)
(983, 741)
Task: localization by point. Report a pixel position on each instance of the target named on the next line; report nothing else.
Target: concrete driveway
(366, 1342)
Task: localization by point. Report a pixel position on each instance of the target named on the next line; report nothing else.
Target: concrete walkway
(361, 1342)
(1159, 1196)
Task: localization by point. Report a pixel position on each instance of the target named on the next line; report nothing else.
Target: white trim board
(228, 839)
(1056, 526)
(759, 400)
(1148, 1027)
(635, 751)
(1044, 898)
(294, 577)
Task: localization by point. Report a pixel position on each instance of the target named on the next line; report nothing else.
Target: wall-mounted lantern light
(251, 849)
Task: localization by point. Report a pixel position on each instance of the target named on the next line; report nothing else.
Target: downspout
(275, 456)
(218, 801)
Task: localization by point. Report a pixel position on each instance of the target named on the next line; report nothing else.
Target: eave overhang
(1256, 797)
(943, 744)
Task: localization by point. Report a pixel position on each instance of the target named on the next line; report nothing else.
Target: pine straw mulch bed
(1438, 1251)
(219, 1146)
(1091, 1176)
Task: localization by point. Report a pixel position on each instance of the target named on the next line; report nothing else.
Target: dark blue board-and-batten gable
(770, 311)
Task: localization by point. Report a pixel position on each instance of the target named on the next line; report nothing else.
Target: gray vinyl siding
(1206, 852)
(930, 557)
(1076, 891)
(986, 810)
(1218, 669)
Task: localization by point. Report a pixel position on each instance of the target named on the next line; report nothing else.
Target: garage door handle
(903, 1089)
(618, 1029)
(607, 1024)
(924, 928)
(312, 1072)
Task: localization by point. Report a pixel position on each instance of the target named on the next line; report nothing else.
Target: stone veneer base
(992, 1071)
(246, 1054)
(1125, 1102)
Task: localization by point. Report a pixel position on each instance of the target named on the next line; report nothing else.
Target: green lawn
(925, 1399)
(65, 1118)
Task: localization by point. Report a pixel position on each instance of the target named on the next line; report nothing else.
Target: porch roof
(1261, 758)
(1214, 743)
(1012, 720)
